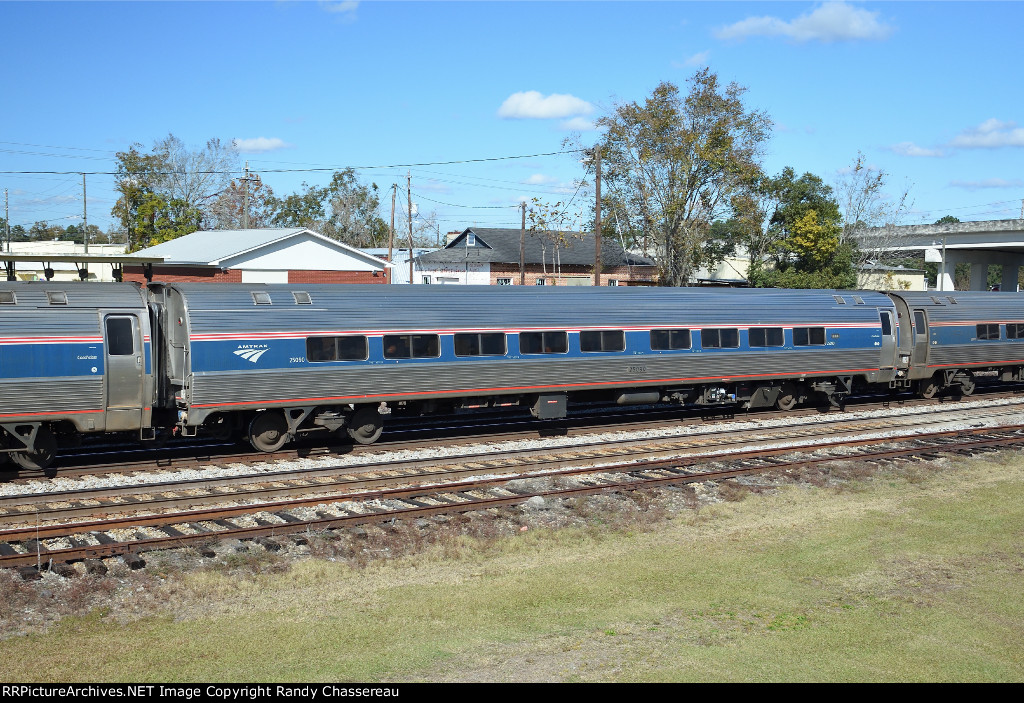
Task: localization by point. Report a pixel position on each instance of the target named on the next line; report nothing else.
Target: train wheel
(787, 397)
(928, 387)
(42, 457)
(366, 426)
(268, 431)
(967, 385)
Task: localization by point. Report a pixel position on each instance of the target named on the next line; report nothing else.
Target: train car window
(302, 298)
(602, 341)
(988, 331)
(886, 323)
(411, 346)
(1015, 331)
(120, 336)
(766, 337)
(346, 348)
(57, 297)
(261, 298)
(727, 338)
(666, 340)
(7, 297)
(543, 342)
(807, 336)
(482, 344)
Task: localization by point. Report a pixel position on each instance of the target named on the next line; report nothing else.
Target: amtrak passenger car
(273, 362)
(295, 358)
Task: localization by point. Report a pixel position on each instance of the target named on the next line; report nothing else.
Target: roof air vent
(302, 297)
(7, 297)
(261, 298)
(57, 297)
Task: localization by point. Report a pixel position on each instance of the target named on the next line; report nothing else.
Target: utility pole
(85, 218)
(245, 198)
(7, 222)
(408, 190)
(597, 216)
(391, 232)
(522, 246)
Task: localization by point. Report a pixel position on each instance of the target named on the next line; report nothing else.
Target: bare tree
(871, 216)
(195, 176)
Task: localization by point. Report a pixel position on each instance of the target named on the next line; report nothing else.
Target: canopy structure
(81, 262)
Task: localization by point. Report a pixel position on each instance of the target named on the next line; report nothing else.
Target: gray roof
(210, 247)
(494, 245)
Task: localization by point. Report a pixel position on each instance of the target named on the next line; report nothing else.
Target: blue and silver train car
(951, 336)
(295, 358)
(74, 358)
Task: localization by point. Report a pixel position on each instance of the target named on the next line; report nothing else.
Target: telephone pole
(408, 190)
(245, 198)
(597, 216)
(522, 247)
(7, 222)
(391, 231)
(85, 218)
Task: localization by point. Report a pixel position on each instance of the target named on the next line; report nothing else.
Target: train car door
(921, 338)
(888, 340)
(124, 371)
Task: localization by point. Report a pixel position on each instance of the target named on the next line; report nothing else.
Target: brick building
(260, 256)
(490, 256)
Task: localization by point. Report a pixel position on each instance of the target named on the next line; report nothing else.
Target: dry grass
(855, 573)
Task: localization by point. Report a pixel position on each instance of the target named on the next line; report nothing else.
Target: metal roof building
(281, 255)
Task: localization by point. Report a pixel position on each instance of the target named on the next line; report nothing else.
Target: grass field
(912, 574)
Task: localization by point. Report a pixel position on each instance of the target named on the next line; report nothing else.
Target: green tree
(805, 235)
(345, 209)
(675, 164)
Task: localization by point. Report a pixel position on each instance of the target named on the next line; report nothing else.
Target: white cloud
(539, 179)
(700, 59)
(911, 149)
(988, 183)
(990, 134)
(578, 124)
(346, 10)
(532, 105)
(259, 145)
(829, 22)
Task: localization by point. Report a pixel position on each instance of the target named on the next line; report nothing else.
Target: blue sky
(930, 92)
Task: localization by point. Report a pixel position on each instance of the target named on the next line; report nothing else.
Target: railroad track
(415, 492)
(109, 461)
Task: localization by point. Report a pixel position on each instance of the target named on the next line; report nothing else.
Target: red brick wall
(190, 274)
(182, 274)
(336, 277)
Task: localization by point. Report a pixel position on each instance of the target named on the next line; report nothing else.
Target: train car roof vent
(7, 297)
(937, 300)
(57, 297)
(839, 299)
(261, 297)
(302, 297)
(952, 300)
(859, 300)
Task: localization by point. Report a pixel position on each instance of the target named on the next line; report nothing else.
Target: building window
(470, 240)
(540, 282)
(666, 340)
(347, 348)
(988, 331)
(482, 344)
(728, 338)
(766, 337)
(543, 342)
(807, 336)
(504, 281)
(613, 281)
(426, 280)
(602, 341)
(412, 346)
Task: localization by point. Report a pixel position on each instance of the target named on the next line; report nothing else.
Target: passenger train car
(277, 361)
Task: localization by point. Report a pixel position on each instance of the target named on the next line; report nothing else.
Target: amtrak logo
(251, 352)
